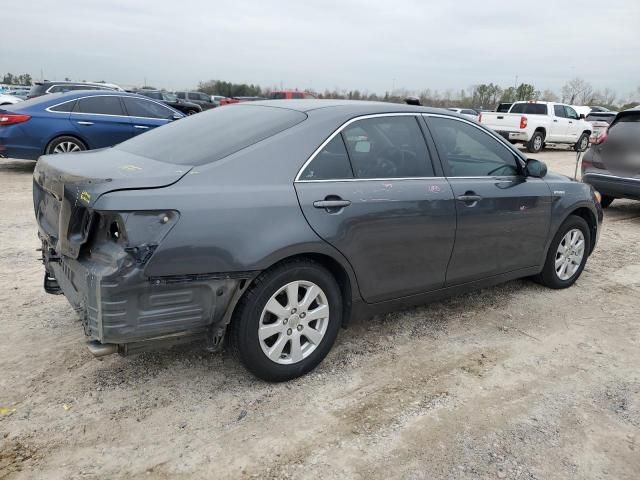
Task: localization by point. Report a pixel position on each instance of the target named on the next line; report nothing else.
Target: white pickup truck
(538, 123)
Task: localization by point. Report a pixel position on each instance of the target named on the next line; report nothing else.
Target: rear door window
(331, 163)
(100, 105)
(559, 111)
(387, 147)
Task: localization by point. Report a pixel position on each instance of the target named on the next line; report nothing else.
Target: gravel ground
(515, 381)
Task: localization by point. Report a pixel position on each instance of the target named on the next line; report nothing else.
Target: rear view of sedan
(76, 121)
(268, 226)
(612, 164)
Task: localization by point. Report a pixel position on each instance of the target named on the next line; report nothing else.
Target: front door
(147, 114)
(503, 216)
(101, 121)
(372, 193)
(558, 129)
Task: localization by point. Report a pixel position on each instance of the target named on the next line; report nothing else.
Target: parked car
(75, 121)
(43, 88)
(18, 91)
(599, 109)
(230, 100)
(172, 101)
(600, 121)
(273, 225)
(6, 99)
(205, 101)
(612, 164)
(216, 99)
(536, 123)
(290, 95)
(466, 112)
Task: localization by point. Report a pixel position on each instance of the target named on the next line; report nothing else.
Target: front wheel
(192, 112)
(287, 322)
(583, 143)
(536, 143)
(567, 254)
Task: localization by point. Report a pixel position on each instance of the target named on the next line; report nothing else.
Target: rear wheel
(287, 322)
(536, 143)
(65, 144)
(606, 201)
(567, 254)
(583, 143)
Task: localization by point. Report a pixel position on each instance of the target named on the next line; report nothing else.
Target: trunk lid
(620, 152)
(66, 186)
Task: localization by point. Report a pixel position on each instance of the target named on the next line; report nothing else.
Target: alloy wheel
(66, 147)
(569, 254)
(293, 322)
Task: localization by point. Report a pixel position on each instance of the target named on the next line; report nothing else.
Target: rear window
(529, 108)
(201, 139)
(36, 90)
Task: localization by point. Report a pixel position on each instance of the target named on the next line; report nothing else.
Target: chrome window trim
(338, 131)
(617, 177)
(98, 87)
(492, 134)
(147, 99)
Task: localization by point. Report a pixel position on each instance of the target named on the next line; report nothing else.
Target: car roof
(361, 107)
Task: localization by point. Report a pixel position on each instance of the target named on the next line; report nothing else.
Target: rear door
(101, 120)
(559, 127)
(503, 217)
(372, 192)
(146, 114)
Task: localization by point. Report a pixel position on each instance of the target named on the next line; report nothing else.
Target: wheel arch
(340, 271)
(590, 218)
(542, 130)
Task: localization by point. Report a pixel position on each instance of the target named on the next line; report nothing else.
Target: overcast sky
(365, 44)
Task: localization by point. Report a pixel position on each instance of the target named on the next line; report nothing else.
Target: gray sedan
(270, 226)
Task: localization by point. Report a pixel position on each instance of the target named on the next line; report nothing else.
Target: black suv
(172, 100)
(198, 98)
(42, 88)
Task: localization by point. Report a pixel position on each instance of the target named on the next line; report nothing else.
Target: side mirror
(582, 117)
(535, 168)
(175, 116)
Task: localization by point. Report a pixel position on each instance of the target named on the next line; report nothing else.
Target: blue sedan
(77, 120)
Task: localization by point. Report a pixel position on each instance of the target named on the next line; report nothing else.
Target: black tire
(53, 144)
(606, 201)
(536, 142)
(579, 146)
(192, 112)
(548, 277)
(243, 331)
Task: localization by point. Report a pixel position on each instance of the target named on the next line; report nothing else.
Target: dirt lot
(515, 381)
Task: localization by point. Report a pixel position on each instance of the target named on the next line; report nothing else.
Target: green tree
(525, 91)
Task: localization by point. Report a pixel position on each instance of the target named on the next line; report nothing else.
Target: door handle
(570, 121)
(555, 121)
(331, 203)
(141, 127)
(85, 123)
(470, 199)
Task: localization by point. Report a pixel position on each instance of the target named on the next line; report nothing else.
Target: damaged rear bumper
(123, 307)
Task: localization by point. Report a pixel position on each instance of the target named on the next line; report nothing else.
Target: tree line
(11, 79)
(575, 92)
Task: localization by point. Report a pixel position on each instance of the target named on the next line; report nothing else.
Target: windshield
(213, 135)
